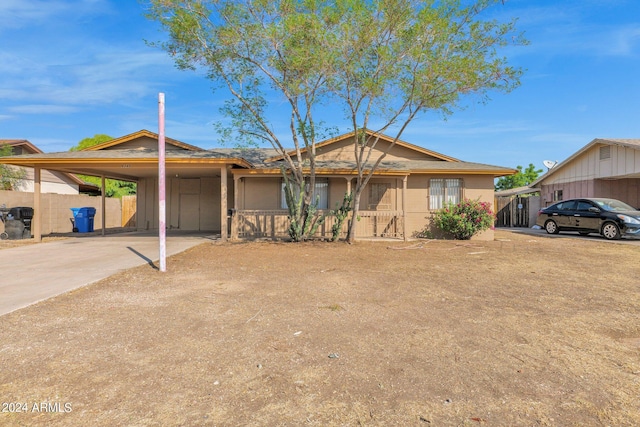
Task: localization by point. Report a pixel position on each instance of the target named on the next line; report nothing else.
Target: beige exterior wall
(419, 216)
(343, 150)
(56, 209)
(142, 142)
(191, 203)
(263, 193)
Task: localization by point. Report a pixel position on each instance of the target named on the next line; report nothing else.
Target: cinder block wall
(56, 209)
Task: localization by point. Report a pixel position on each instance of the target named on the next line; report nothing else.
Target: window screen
(442, 191)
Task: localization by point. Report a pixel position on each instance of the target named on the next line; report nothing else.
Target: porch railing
(275, 223)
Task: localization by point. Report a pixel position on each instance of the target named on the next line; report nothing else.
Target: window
(321, 189)
(567, 206)
(584, 206)
(442, 191)
(557, 195)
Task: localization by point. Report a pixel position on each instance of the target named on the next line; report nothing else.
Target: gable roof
(140, 134)
(630, 143)
(380, 136)
(21, 142)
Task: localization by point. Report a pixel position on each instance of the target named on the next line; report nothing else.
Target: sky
(70, 69)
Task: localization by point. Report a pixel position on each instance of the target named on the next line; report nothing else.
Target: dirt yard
(520, 331)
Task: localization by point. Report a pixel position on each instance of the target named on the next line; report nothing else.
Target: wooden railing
(275, 223)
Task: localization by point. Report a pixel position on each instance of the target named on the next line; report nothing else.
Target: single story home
(51, 181)
(607, 168)
(239, 192)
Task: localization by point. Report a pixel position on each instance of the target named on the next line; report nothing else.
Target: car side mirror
(594, 209)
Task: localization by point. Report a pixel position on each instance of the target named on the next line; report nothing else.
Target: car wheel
(610, 231)
(551, 227)
(4, 236)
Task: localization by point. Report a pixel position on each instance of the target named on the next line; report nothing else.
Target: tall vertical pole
(162, 213)
(104, 203)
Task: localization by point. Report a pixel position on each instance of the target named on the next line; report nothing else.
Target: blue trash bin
(84, 219)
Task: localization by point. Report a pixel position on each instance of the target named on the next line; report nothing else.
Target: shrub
(465, 219)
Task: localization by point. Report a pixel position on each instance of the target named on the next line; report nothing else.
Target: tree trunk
(351, 232)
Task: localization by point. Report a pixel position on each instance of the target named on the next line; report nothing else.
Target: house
(239, 192)
(607, 168)
(51, 181)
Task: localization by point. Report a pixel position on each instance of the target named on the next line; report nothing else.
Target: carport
(197, 181)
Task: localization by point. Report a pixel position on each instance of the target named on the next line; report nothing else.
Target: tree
(383, 61)
(96, 139)
(113, 187)
(519, 179)
(10, 176)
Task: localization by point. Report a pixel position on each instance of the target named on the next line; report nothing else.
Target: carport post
(36, 221)
(104, 204)
(162, 214)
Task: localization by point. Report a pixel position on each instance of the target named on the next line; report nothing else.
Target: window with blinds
(443, 191)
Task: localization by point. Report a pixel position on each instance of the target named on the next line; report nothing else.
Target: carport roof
(130, 164)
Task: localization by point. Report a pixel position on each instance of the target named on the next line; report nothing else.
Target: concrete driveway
(571, 235)
(35, 272)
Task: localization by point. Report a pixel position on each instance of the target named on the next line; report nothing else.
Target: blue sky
(74, 68)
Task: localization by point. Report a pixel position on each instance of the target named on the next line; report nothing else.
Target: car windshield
(613, 205)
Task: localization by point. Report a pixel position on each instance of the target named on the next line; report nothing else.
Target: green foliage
(304, 218)
(90, 142)
(378, 61)
(9, 175)
(465, 219)
(113, 187)
(519, 179)
(341, 212)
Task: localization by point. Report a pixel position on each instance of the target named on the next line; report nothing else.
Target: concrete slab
(32, 273)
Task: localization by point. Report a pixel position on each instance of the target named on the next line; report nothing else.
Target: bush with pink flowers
(465, 219)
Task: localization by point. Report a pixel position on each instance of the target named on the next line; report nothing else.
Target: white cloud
(42, 109)
(26, 13)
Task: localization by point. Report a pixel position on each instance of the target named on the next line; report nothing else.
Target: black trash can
(84, 219)
(17, 223)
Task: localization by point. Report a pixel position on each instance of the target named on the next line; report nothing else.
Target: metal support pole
(162, 213)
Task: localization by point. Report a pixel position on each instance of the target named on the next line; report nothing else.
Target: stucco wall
(419, 217)
(56, 209)
(343, 150)
(262, 193)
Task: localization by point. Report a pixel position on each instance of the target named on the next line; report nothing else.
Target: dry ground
(521, 331)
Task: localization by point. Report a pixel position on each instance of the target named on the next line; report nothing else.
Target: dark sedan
(609, 217)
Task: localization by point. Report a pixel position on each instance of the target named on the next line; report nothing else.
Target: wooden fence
(129, 211)
(275, 223)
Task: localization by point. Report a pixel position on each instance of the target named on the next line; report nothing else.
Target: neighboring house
(51, 181)
(603, 168)
(205, 187)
